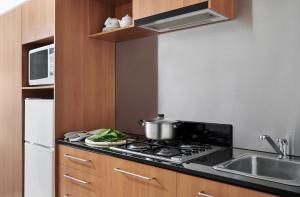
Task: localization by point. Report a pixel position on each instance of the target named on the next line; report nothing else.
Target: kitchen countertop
(202, 167)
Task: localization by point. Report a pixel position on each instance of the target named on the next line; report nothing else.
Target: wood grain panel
(189, 186)
(226, 8)
(123, 9)
(11, 140)
(144, 8)
(85, 72)
(115, 2)
(37, 20)
(98, 13)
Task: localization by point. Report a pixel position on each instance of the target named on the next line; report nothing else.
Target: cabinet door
(37, 20)
(11, 141)
(136, 180)
(144, 8)
(188, 186)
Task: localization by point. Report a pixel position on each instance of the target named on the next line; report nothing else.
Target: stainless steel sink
(266, 168)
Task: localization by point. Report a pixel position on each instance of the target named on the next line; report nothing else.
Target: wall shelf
(38, 87)
(99, 11)
(122, 34)
(115, 2)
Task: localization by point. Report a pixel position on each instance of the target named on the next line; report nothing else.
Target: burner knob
(188, 154)
(195, 151)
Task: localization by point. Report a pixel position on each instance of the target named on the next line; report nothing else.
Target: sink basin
(267, 168)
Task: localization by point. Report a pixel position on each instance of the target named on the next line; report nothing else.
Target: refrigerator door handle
(40, 146)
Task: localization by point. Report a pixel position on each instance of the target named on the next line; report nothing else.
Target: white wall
(245, 72)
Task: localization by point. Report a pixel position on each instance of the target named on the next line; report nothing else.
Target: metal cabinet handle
(75, 158)
(204, 195)
(133, 174)
(76, 180)
(66, 195)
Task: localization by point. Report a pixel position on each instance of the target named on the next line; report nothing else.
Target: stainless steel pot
(159, 128)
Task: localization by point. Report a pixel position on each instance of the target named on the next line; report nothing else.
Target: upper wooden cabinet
(145, 8)
(10, 104)
(37, 20)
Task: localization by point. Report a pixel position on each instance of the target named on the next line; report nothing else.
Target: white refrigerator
(39, 164)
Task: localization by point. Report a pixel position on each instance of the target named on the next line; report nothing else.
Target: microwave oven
(41, 65)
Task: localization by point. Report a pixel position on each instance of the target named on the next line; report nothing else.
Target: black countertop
(202, 167)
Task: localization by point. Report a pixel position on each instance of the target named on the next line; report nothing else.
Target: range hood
(195, 15)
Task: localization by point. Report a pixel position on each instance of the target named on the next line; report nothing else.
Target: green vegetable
(108, 135)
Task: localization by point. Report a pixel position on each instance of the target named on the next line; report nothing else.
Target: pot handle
(175, 125)
(142, 123)
(160, 116)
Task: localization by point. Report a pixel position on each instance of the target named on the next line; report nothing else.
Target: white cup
(112, 23)
(126, 21)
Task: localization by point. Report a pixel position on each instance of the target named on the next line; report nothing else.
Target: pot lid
(161, 119)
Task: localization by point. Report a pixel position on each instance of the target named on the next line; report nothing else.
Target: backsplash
(244, 72)
(136, 83)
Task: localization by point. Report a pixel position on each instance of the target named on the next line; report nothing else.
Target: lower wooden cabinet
(189, 186)
(130, 179)
(86, 174)
(91, 175)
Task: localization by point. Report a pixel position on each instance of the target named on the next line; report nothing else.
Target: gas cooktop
(174, 151)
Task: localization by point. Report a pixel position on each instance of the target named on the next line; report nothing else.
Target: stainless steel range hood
(195, 15)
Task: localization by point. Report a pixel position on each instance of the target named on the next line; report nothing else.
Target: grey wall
(245, 72)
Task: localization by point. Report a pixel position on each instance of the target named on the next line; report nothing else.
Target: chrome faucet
(281, 148)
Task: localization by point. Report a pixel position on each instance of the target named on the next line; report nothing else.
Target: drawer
(72, 193)
(136, 180)
(85, 161)
(189, 186)
(75, 183)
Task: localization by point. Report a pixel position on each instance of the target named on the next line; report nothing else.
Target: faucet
(281, 148)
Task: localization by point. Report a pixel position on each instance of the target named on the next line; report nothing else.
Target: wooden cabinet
(11, 142)
(189, 186)
(145, 8)
(100, 175)
(37, 20)
(84, 72)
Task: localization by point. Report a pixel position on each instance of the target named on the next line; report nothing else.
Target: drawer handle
(66, 195)
(133, 174)
(75, 158)
(204, 195)
(76, 180)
